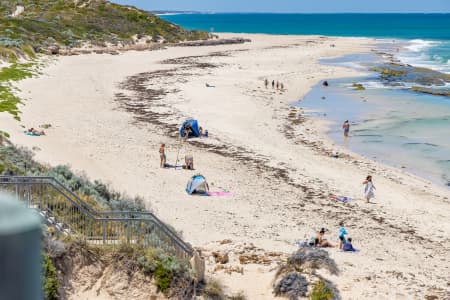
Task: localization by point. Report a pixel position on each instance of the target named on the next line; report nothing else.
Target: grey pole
(20, 251)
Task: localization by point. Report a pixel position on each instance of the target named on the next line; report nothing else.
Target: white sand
(404, 236)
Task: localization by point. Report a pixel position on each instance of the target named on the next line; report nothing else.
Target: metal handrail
(141, 222)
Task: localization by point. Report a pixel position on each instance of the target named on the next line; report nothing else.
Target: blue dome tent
(197, 185)
(192, 125)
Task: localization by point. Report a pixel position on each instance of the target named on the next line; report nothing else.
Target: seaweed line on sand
(147, 106)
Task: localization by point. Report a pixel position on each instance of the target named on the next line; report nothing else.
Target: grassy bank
(46, 23)
(13, 73)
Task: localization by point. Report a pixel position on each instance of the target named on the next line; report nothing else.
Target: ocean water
(404, 26)
(389, 123)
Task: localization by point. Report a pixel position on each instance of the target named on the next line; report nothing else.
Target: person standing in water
(369, 188)
(346, 127)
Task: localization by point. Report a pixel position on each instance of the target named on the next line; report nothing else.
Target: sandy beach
(110, 113)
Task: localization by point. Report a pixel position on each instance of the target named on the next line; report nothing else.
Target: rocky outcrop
(395, 73)
(436, 92)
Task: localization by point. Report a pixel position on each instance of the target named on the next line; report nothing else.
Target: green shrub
(213, 290)
(50, 278)
(163, 277)
(321, 291)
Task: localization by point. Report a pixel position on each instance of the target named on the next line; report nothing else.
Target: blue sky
(327, 6)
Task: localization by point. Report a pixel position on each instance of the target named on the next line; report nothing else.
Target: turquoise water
(395, 126)
(389, 123)
(404, 26)
(429, 34)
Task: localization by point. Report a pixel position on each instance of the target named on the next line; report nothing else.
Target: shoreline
(266, 155)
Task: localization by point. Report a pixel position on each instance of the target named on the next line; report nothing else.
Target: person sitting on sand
(346, 127)
(200, 131)
(187, 131)
(369, 189)
(162, 155)
(348, 246)
(320, 241)
(206, 133)
(35, 131)
(189, 160)
(342, 234)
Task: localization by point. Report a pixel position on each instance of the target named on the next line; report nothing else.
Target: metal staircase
(69, 214)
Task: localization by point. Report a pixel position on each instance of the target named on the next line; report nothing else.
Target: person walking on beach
(369, 188)
(282, 86)
(346, 127)
(162, 155)
(273, 83)
(266, 82)
(278, 85)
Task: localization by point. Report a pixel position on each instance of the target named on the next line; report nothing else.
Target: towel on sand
(341, 198)
(31, 133)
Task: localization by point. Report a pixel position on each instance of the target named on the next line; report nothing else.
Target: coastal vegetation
(99, 195)
(293, 278)
(321, 291)
(65, 256)
(15, 72)
(28, 27)
(49, 278)
(170, 275)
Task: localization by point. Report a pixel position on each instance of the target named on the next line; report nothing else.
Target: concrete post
(20, 251)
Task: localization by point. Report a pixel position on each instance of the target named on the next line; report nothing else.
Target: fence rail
(72, 215)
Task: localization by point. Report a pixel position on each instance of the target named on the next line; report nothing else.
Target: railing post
(104, 231)
(128, 232)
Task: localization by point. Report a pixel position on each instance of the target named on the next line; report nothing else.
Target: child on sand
(368, 189)
(162, 155)
(342, 234)
(348, 246)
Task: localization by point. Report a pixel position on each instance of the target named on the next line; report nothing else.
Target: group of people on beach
(345, 244)
(275, 84)
(189, 158)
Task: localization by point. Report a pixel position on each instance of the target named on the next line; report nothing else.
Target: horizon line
(290, 13)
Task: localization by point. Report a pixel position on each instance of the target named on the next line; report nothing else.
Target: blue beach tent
(197, 185)
(194, 132)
